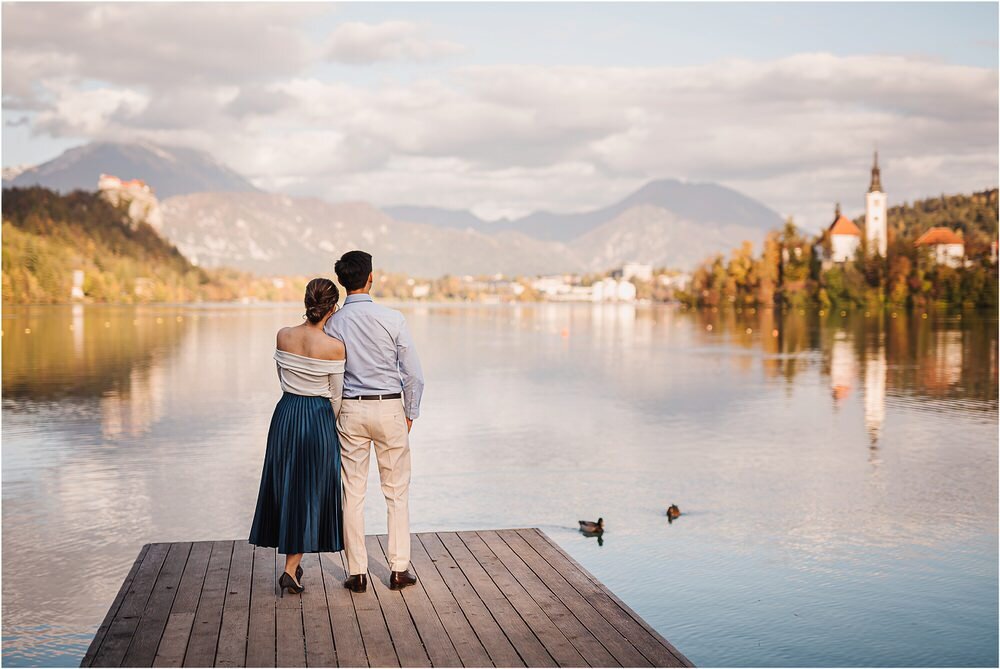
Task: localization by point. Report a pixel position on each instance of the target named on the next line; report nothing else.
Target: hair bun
(321, 297)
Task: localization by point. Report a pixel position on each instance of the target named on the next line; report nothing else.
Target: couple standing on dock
(351, 378)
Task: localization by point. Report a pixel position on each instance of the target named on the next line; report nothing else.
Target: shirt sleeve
(410, 372)
(331, 329)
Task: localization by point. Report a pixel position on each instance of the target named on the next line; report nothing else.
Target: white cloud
(794, 132)
(358, 43)
(88, 112)
(154, 45)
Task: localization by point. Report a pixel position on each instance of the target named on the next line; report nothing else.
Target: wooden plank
(619, 647)
(585, 642)
(208, 618)
(147, 635)
(524, 640)
(655, 652)
(635, 617)
(189, 591)
(320, 650)
(348, 645)
(102, 629)
(496, 643)
(547, 632)
(440, 649)
(409, 647)
(173, 644)
(232, 650)
(119, 634)
(260, 636)
(170, 652)
(290, 640)
(374, 633)
(470, 650)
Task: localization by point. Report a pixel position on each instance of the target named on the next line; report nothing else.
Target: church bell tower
(876, 224)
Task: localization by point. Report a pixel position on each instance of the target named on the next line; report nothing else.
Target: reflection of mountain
(84, 353)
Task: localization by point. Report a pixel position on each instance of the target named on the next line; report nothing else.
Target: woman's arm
(336, 392)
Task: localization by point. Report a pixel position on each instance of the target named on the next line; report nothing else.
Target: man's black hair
(353, 269)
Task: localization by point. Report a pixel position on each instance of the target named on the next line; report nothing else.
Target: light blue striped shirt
(381, 357)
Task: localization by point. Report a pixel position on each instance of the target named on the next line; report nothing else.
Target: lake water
(837, 474)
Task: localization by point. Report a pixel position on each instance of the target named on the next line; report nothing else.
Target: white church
(845, 237)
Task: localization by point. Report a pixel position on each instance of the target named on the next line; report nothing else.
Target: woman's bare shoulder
(288, 339)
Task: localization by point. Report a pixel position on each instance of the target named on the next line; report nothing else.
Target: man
(382, 388)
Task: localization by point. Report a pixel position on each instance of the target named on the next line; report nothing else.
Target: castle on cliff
(136, 194)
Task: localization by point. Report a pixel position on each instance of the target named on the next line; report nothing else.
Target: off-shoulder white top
(312, 377)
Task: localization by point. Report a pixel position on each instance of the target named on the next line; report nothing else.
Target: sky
(507, 108)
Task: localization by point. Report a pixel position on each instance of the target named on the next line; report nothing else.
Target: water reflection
(799, 446)
(875, 373)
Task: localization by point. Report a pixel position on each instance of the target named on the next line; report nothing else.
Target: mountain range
(701, 202)
(218, 218)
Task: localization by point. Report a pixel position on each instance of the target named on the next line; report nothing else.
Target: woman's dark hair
(321, 296)
(353, 269)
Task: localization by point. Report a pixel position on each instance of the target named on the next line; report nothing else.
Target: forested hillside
(46, 236)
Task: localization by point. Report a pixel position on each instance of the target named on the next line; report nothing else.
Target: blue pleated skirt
(298, 506)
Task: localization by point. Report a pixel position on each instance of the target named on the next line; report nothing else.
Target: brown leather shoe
(401, 579)
(357, 582)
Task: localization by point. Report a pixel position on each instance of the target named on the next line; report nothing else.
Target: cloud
(88, 112)
(258, 100)
(155, 45)
(795, 132)
(357, 43)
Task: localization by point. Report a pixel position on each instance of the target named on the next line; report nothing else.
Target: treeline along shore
(918, 270)
(80, 247)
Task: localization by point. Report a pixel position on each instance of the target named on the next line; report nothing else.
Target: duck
(591, 527)
(673, 512)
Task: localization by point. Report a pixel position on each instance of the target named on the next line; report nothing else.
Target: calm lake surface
(837, 474)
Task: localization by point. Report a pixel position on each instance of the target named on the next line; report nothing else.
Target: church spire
(876, 184)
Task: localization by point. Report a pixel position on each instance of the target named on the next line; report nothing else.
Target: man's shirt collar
(358, 297)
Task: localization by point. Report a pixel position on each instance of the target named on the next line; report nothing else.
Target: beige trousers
(381, 422)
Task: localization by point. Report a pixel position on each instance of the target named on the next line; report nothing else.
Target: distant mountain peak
(168, 170)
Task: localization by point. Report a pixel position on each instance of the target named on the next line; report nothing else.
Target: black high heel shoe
(298, 573)
(286, 582)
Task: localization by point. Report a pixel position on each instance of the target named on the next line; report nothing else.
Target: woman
(298, 506)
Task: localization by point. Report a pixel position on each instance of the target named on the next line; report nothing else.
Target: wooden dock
(504, 598)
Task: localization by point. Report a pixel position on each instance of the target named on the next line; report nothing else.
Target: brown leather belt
(390, 396)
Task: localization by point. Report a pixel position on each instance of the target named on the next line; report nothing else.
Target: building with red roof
(845, 237)
(947, 248)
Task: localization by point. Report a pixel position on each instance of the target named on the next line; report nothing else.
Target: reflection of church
(844, 372)
(843, 368)
(875, 378)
